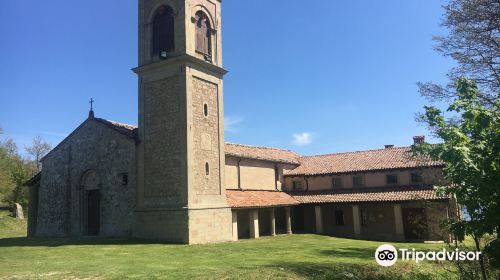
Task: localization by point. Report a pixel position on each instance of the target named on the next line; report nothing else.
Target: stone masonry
(94, 147)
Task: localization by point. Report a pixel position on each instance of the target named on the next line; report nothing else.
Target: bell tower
(180, 155)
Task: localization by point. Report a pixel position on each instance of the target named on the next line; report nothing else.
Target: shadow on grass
(56, 242)
(358, 253)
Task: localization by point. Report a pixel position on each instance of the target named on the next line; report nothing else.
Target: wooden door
(415, 223)
(93, 212)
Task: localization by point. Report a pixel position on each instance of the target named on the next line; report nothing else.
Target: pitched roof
(258, 199)
(371, 160)
(126, 129)
(34, 181)
(262, 153)
(237, 150)
(384, 194)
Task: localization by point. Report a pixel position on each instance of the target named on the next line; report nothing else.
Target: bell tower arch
(180, 155)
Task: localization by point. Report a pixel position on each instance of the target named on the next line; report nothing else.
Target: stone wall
(62, 195)
(194, 226)
(210, 225)
(166, 225)
(54, 193)
(206, 138)
(161, 140)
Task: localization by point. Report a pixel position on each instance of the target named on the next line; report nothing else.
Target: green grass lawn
(300, 256)
(10, 227)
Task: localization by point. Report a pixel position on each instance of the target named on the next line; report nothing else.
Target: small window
(416, 178)
(297, 185)
(207, 169)
(392, 179)
(358, 181)
(339, 218)
(337, 183)
(205, 110)
(124, 179)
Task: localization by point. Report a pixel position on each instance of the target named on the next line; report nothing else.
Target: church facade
(173, 178)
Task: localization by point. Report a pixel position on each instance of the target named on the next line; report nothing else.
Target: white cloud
(231, 123)
(302, 139)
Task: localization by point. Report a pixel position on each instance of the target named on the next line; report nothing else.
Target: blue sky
(312, 76)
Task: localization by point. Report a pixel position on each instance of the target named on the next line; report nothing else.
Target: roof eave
(444, 199)
(263, 159)
(264, 206)
(360, 171)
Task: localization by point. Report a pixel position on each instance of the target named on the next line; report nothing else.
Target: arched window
(203, 36)
(163, 31)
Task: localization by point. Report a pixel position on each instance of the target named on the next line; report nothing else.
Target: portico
(259, 213)
(408, 215)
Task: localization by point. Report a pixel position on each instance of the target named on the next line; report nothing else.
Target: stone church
(174, 179)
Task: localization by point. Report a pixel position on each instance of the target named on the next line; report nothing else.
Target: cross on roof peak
(91, 104)
(91, 112)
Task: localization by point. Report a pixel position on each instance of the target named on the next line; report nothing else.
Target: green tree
(38, 149)
(470, 148)
(14, 172)
(20, 173)
(473, 41)
(8, 150)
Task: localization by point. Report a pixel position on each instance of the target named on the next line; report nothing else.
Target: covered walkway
(395, 214)
(257, 213)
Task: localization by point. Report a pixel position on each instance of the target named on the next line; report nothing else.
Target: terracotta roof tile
(371, 160)
(384, 194)
(126, 129)
(262, 153)
(258, 199)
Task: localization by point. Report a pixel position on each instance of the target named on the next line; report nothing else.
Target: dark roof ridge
(252, 190)
(262, 147)
(356, 152)
(122, 128)
(33, 180)
(117, 123)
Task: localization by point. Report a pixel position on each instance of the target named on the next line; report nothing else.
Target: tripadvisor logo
(387, 255)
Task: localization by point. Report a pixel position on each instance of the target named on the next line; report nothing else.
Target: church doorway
(90, 200)
(93, 212)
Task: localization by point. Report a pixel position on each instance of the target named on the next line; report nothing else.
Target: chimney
(389, 146)
(418, 139)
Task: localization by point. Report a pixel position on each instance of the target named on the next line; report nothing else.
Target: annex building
(174, 179)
